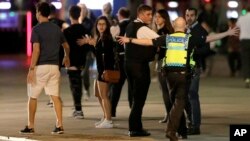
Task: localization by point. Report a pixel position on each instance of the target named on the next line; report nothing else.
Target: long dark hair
(164, 14)
(107, 33)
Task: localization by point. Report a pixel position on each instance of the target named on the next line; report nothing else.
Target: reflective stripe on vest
(176, 53)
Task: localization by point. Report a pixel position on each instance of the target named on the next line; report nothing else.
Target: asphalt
(224, 101)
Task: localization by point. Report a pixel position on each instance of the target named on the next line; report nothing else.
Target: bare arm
(66, 60)
(230, 32)
(145, 42)
(31, 78)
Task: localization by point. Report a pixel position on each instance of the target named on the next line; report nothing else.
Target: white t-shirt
(244, 24)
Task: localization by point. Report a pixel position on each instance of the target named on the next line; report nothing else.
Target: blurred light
(57, 4)
(12, 14)
(232, 14)
(28, 30)
(3, 16)
(95, 4)
(243, 11)
(173, 15)
(207, 1)
(172, 4)
(232, 4)
(5, 5)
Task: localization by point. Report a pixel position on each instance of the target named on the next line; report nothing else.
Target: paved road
(224, 101)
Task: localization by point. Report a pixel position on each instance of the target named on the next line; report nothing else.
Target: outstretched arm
(230, 32)
(145, 42)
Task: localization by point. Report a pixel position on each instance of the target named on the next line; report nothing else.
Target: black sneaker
(27, 130)
(50, 104)
(58, 130)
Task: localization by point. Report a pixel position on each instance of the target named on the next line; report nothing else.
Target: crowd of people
(180, 47)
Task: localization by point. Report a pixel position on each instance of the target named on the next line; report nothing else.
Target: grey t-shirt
(50, 38)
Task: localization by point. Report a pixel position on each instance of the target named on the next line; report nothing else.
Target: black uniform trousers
(169, 101)
(177, 83)
(138, 75)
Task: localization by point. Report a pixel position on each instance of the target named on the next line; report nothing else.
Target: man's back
(50, 38)
(77, 53)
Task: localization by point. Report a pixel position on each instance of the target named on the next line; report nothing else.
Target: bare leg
(58, 109)
(32, 105)
(103, 89)
(97, 94)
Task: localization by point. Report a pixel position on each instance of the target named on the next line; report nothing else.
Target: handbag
(111, 76)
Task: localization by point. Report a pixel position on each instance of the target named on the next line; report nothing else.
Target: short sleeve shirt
(50, 38)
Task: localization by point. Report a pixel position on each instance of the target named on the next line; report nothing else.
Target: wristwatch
(130, 40)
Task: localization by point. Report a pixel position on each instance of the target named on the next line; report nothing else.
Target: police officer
(179, 65)
(137, 60)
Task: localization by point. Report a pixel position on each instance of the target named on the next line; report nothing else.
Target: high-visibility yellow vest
(176, 53)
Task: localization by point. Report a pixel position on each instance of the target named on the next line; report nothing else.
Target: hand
(122, 40)
(82, 41)
(233, 31)
(31, 77)
(66, 61)
(92, 41)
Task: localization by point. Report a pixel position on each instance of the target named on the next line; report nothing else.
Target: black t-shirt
(56, 21)
(77, 53)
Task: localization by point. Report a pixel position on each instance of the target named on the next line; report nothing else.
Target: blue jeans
(194, 99)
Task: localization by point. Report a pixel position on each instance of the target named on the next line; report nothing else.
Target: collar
(179, 32)
(193, 25)
(126, 19)
(138, 20)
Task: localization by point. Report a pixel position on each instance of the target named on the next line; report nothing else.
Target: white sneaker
(99, 122)
(106, 124)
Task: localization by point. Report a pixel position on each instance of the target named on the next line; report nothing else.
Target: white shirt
(145, 32)
(244, 25)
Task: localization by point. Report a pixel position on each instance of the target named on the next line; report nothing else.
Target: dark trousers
(245, 57)
(193, 109)
(178, 90)
(234, 62)
(138, 75)
(75, 81)
(116, 88)
(169, 100)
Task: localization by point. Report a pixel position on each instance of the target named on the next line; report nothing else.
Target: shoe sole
(79, 117)
(26, 133)
(101, 127)
(60, 132)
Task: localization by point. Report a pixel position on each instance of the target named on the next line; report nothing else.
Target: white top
(244, 25)
(115, 31)
(145, 32)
